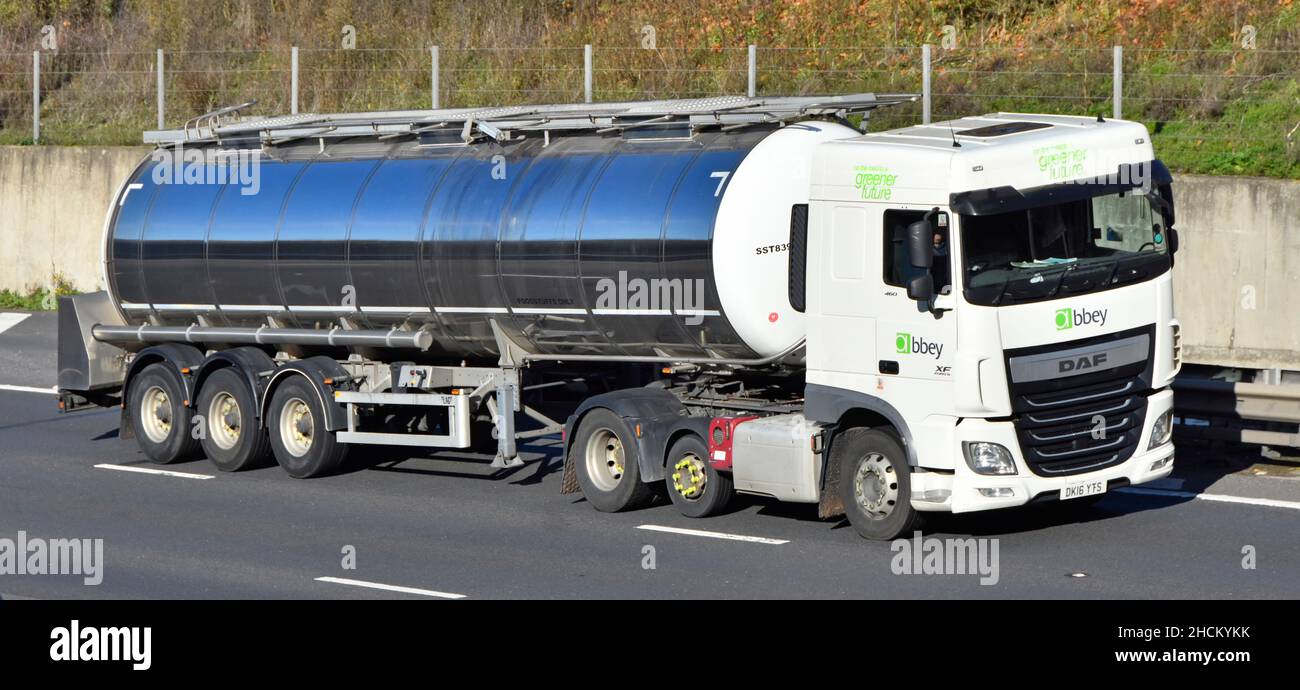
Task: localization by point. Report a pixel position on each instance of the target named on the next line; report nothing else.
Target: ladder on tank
(681, 117)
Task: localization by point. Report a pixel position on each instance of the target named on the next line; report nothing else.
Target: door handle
(888, 366)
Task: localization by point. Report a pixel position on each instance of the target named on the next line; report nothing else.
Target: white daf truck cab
(997, 290)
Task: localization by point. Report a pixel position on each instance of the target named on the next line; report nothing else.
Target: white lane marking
(9, 320)
(390, 588)
(1220, 498)
(713, 535)
(29, 389)
(146, 470)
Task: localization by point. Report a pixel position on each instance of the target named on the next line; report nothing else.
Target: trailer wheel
(609, 471)
(695, 487)
(234, 440)
(159, 417)
(296, 424)
(875, 483)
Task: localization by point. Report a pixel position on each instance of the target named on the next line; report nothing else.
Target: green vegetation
(38, 298)
(1214, 103)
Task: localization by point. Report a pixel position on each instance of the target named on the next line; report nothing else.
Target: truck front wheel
(159, 417)
(299, 440)
(608, 465)
(875, 483)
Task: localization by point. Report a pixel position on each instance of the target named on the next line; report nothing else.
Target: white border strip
(396, 310)
(390, 588)
(29, 389)
(255, 308)
(713, 535)
(549, 310)
(471, 310)
(321, 309)
(185, 307)
(632, 312)
(1219, 498)
(146, 470)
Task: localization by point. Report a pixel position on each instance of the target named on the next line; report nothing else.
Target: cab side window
(898, 269)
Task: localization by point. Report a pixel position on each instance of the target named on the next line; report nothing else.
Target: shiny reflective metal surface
(383, 234)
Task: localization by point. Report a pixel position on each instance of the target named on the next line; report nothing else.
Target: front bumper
(959, 491)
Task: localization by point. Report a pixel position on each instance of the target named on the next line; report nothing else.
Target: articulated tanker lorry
(738, 295)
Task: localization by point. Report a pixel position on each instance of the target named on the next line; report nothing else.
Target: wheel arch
(844, 410)
(251, 364)
(659, 413)
(315, 370)
(178, 356)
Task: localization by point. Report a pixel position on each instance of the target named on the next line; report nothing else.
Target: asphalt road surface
(446, 525)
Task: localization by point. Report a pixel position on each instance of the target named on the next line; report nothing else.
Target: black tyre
(605, 455)
(694, 486)
(875, 483)
(235, 440)
(300, 442)
(162, 423)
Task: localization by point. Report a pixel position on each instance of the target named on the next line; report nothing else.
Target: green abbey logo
(1064, 319)
(907, 344)
(1069, 318)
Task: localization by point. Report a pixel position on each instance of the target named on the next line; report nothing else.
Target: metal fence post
(752, 91)
(925, 84)
(162, 99)
(433, 75)
(1117, 85)
(586, 70)
(36, 96)
(293, 80)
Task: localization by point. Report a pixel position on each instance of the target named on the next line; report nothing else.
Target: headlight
(988, 458)
(1162, 429)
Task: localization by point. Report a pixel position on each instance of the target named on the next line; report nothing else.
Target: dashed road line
(713, 535)
(29, 389)
(146, 470)
(1218, 498)
(390, 588)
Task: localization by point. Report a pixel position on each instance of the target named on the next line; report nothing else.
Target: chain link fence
(1212, 110)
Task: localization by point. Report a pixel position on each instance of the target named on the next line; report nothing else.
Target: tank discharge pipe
(335, 337)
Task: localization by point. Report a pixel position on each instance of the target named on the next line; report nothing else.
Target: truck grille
(1075, 423)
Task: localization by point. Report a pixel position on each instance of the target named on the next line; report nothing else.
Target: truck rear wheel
(159, 417)
(606, 458)
(234, 440)
(695, 487)
(875, 483)
(299, 440)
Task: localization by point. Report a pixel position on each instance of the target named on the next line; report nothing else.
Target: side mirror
(921, 288)
(920, 244)
(1173, 240)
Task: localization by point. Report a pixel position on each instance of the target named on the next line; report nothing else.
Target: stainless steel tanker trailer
(290, 287)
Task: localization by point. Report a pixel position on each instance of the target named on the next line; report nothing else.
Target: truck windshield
(1066, 248)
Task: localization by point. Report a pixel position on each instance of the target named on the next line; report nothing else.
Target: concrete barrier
(1237, 275)
(1237, 278)
(52, 205)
